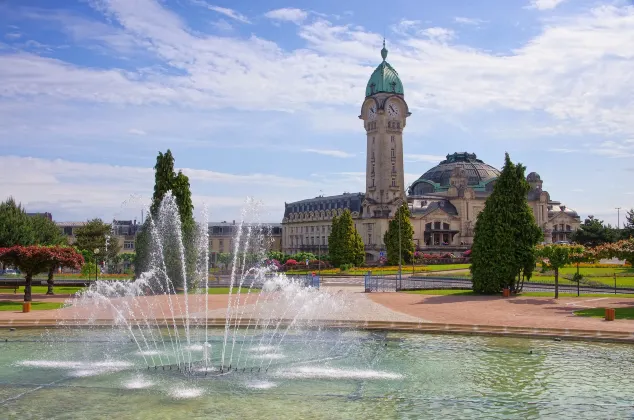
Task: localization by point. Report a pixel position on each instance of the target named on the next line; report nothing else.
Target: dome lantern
(384, 79)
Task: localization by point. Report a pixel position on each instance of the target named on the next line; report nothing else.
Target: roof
(478, 174)
(426, 206)
(384, 78)
(351, 201)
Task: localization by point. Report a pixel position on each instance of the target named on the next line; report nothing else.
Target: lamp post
(96, 251)
(618, 217)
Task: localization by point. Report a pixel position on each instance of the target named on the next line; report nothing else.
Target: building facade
(444, 202)
(222, 236)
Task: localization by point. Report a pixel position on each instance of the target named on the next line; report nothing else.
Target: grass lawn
(589, 271)
(443, 267)
(444, 292)
(619, 313)
(58, 290)
(35, 306)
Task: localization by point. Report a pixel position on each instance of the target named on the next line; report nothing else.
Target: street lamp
(618, 217)
(96, 251)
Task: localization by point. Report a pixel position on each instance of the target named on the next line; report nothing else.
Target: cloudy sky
(261, 98)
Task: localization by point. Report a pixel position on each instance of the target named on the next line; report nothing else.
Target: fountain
(165, 346)
(166, 311)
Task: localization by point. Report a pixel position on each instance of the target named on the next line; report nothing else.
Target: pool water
(93, 374)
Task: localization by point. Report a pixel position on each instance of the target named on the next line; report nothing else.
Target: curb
(410, 327)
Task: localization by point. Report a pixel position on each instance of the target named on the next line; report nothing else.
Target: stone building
(445, 201)
(223, 234)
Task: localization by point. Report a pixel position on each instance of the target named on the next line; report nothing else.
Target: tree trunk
(27, 288)
(556, 283)
(50, 281)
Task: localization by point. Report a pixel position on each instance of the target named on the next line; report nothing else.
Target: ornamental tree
(345, 245)
(399, 237)
(623, 250)
(35, 259)
(556, 256)
(505, 234)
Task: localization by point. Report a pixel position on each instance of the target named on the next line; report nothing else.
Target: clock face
(372, 112)
(392, 109)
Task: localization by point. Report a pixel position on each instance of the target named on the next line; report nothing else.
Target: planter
(26, 307)
(506, 292)
(609, 314)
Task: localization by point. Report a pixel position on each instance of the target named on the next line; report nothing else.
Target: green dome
(384, 78)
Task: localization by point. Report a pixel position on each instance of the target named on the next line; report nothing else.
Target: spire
(384, 51)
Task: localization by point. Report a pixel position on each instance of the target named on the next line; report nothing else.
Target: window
(393, 168)
(393, 182)
(393, 154)
(445, 226)
(68, 230)
(392, 139)
(369, 239)
(312, 228)
(436, 225)
(128, 245)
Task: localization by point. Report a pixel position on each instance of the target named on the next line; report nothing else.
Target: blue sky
(261, 98)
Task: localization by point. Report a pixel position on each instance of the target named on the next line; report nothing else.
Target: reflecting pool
(320, 374)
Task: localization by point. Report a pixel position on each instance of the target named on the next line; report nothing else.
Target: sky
(261, 98)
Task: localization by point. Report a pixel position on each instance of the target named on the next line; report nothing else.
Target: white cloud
(333, 153)
(468, 21)
(223, 11)
(544, 4)
(13, 35)
(222, 25)
(440, 34)
(423, 158)
(137, 132)
(296, 16)
(77, 190)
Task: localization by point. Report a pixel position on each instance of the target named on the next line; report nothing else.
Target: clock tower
(384, 113)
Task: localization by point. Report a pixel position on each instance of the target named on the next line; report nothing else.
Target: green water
(91, 375)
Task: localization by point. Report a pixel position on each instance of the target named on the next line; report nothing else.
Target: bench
(15, 287)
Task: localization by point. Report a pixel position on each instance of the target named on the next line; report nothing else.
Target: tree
(556, 256)
(166, 180)
(345, 245)
(46, 232)
(623, 250)
(628, 227)
(593, 232)
(94, 235)
(399, 237)
(15, 225)
(505, 234)
(35, 259)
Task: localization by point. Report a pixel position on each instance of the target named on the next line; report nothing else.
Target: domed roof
(533, 177)
(478, 173)
(384, 79)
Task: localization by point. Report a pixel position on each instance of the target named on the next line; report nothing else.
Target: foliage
(35, 259)
(95, 235)
(505, 234)
(291, 262)
(628, 227)
(556, 257)
(276, 255)
(593, 232)
(89, 270)
(399, 237)
(46, 232)
(345, 245)
(623, 250)
(166, 180)
(15, 226)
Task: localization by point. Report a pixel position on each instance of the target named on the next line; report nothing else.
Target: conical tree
(335, 246)
(399, 237)
(505, 233)
(345, 245)
(165, 180)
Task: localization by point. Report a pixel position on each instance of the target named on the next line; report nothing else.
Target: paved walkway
(533, 312)
(349, 303)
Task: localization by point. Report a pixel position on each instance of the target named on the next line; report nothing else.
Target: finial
(384, 51)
